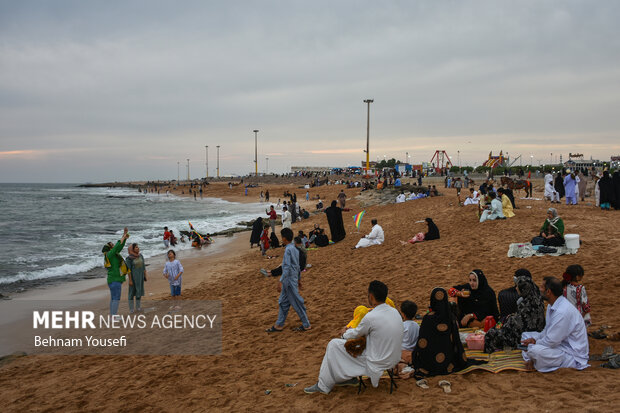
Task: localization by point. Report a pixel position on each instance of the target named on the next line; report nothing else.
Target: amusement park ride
(440, 160)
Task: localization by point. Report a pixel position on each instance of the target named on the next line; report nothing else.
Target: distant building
(311, 168)
(583, 163)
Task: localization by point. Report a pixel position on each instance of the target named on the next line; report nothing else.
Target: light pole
(207, 160)
(267, 167)
(368, 102)
(255, 152)
(551, 158)
(188, 170)
(218, 160)
(178, 171)
(458, 153)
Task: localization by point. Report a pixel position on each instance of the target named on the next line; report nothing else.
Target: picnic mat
(496, 362)
(525, 250)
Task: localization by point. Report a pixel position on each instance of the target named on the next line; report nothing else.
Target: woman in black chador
(334, 219)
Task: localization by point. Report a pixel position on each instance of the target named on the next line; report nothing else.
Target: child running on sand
(173, 271)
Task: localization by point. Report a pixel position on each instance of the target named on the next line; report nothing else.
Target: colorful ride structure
(496, 161)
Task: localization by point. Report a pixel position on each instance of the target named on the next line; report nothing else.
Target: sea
(53, 233)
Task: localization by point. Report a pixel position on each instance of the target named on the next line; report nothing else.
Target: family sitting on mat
(377, 339)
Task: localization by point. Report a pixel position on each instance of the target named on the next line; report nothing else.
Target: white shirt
(400, 198)
(383, 328)
(376, 234)
(565, 329)
(286, 219)
(410, 336)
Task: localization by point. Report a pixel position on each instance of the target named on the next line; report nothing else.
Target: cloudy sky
(118, 90)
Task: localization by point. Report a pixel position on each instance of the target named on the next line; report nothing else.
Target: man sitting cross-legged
(383, 329)
(564, 340)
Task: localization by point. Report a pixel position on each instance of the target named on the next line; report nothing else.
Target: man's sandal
(273, 329)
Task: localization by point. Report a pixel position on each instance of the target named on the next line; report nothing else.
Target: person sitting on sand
(506, 204)
(552, 231)
(375, 237)
(439, 349)
(401, 197)
(274, 242)
(564, 341)
(494, 211)
(473, 198)
(575, 292)
(382, 329)
(508, 297)
(432, 234)
(321, 240)
(313, 233)
(476, 300)
(530, 316)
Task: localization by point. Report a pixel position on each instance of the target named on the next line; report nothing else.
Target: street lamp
(218, 160)
(255, 152)
(178, 170)
(207, 160)
(266, 167)
(188, 170)
(368, 102)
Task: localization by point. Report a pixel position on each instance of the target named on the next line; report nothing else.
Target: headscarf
(132, 252)
(433, 231)
(555, 218)
(439, 349)
(483, 284)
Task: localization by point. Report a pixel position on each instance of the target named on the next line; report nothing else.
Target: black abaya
(257, 229)
(336, 226)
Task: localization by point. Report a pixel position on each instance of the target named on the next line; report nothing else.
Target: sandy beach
(253, 361)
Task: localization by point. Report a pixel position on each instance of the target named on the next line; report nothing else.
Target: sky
(98, 91)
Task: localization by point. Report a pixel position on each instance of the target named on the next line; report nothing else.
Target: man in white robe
(550, 192)
(383, 329)
(495, 211)
(376, 236)
(473, 198)
(564, 341)
(400, 198)
(286, 218)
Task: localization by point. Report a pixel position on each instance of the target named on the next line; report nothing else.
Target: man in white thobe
(383, 329)
(550, 191)
(473, 198)
(376, 236)
(495, 211)
(401, 198)
(286, 218)
(564, 341)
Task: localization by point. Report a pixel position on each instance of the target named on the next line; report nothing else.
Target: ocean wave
(53, 272)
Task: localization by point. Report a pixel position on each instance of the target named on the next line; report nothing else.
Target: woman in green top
(552, 230)
(137, 276)
(113, 262)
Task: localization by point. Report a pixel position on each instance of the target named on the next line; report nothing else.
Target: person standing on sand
(342, 198)
(286, 218)
(307, 196)
(137, 276)
(267, 195)
(289, 286)
(116, 270)
(272, 218)
(173, 272)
